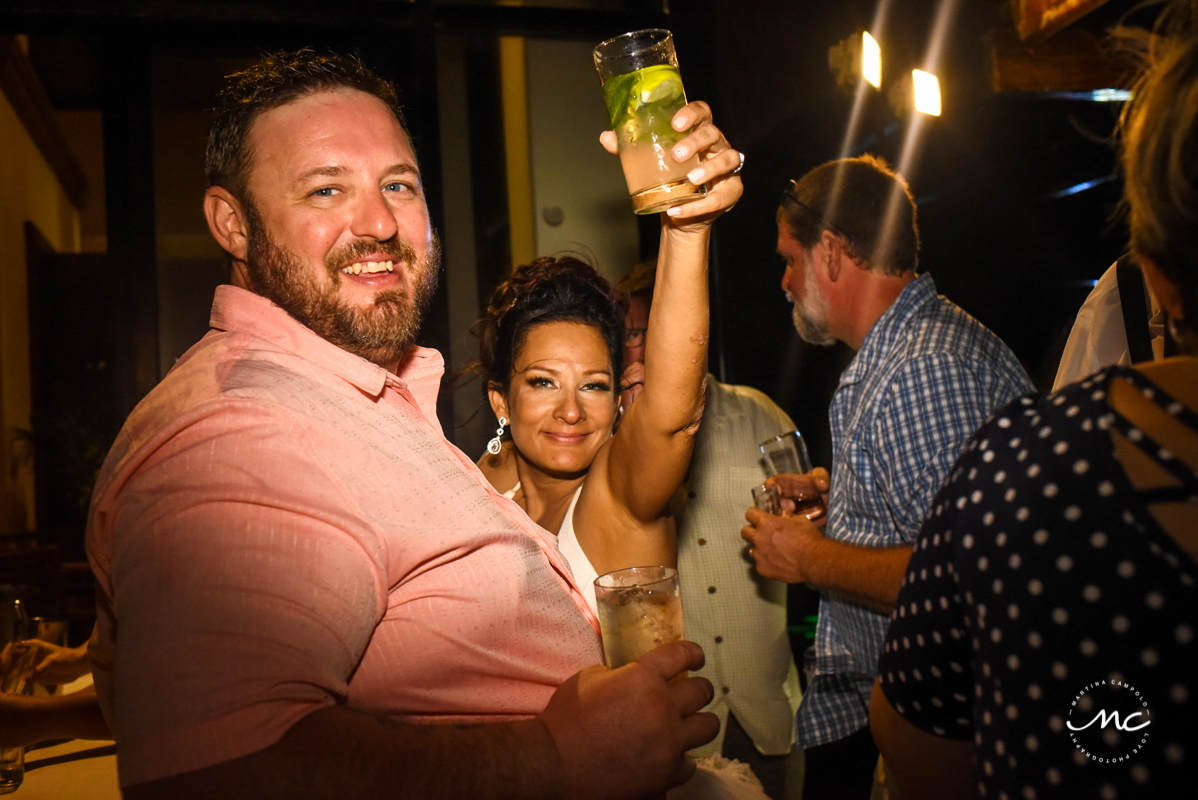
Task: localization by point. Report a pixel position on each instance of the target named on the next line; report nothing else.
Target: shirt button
(711, 590)
(725, 689)
(702, 542)
(719, 639)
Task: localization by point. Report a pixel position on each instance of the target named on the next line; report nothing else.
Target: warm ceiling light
(854, 59)
(927, 92)
(871, 60)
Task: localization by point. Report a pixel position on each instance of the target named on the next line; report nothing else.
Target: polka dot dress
(1040, 581)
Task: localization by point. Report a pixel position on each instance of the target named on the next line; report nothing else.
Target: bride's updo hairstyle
(560, 289)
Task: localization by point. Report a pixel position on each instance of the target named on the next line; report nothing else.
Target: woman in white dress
(551, 355)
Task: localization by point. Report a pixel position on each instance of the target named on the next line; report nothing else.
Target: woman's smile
(561, 398)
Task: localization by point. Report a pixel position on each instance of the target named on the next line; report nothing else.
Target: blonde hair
(1160, 157)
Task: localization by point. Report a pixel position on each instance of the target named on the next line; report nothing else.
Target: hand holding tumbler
(786, 454)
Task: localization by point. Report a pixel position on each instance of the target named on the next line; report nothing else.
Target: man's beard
(810, 313)
(381, 333)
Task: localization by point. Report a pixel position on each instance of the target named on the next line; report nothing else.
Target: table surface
(73, 770)
(77, 769)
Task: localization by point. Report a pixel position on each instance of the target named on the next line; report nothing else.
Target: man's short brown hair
(279, 79)
(865, 203)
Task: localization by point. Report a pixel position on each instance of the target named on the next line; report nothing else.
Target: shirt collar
(885, 331)
(239, 310)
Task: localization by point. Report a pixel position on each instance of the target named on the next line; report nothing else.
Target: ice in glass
(639, 609)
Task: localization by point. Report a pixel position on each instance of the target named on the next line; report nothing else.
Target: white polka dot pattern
(1063, 580)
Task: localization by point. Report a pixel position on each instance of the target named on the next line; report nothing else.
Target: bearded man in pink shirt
(301, 582)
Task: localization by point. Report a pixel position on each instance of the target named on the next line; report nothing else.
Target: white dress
(567, 545)
(717, 778)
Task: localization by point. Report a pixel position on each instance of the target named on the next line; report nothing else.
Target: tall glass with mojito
(643, 90)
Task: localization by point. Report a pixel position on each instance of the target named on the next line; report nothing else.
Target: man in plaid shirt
(925, 377)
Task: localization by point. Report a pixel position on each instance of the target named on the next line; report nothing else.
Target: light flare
(871, 60)
(861, 97)
(927, 92)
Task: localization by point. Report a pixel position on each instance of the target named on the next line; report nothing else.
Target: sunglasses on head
(790, 193)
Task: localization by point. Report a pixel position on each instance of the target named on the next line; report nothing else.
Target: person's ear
(1164, 290)
(833, 254)
(498, 400)
(226, 221)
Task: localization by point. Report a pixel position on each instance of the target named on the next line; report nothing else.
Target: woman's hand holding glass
(719, 165)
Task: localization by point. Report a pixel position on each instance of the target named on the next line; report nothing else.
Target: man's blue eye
(323, 192)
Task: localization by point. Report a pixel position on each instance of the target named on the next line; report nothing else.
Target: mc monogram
(1121, 714)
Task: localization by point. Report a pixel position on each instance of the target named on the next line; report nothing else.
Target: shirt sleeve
(245, 590)
(935, 405)
(1097, 338)
(925, 664)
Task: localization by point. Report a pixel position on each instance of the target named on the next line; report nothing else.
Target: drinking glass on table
(640, 608)
(15, 665)
(786, 454)
(643, 91)
(15, 673)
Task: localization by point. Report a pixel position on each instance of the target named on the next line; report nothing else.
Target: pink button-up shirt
(281, 526)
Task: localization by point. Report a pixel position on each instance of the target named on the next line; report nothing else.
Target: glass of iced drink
(787, 454)
(639, 609)
(643, 92)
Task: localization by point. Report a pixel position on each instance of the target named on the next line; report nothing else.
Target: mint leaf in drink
(617, 94)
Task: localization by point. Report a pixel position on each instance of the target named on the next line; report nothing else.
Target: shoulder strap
(1135, 309)
(1158, 453)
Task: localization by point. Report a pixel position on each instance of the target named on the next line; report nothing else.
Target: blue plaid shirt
(926, 377)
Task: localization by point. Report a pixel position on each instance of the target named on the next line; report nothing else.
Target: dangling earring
(496, 444)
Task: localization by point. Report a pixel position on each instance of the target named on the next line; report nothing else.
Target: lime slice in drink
(643, 96)
(658, 84)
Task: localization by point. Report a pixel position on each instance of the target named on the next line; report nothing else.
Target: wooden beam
(1072, 61)
(1037, 20)
(24, 91)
